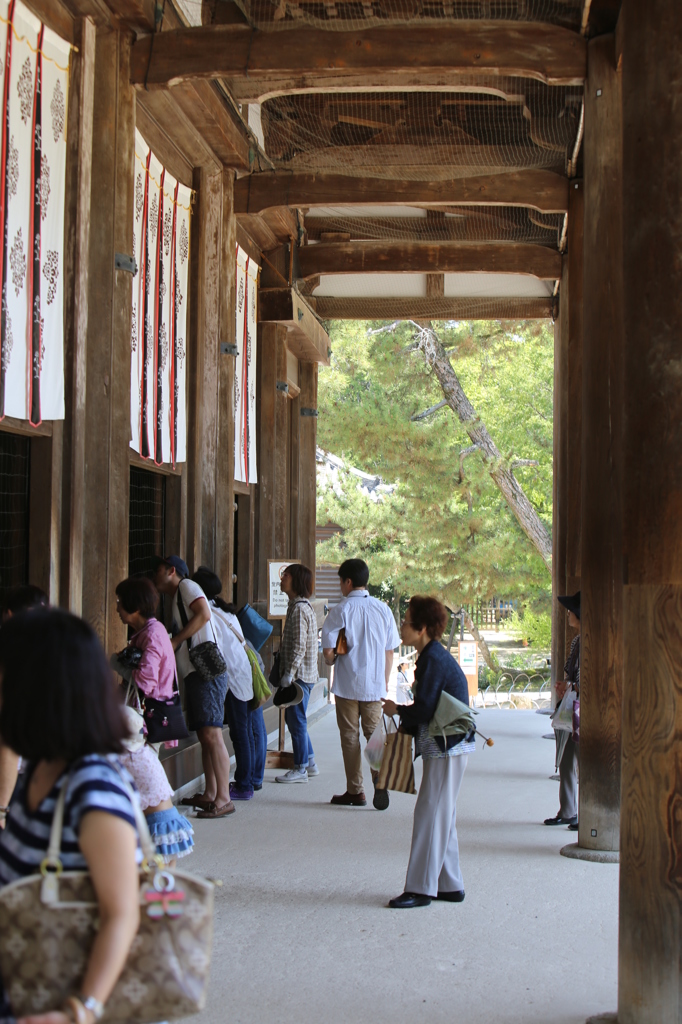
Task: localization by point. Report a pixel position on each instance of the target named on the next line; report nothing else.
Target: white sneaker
(312, 769)
(295, 775)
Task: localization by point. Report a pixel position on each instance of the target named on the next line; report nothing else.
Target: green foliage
(535, 627)
(437, 532)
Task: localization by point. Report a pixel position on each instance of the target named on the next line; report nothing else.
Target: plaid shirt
(298, 650)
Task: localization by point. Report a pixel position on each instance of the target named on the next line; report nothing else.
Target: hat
(173, 562)
(208, 581)
(572, 602)
(287, 696)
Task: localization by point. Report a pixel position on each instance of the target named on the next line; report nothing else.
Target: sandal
(217, 812)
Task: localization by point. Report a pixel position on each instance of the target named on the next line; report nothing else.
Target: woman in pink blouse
(137, 601)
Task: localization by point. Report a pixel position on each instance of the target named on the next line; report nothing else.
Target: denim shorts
(205, 701)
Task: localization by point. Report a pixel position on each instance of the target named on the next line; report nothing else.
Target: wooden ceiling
(395, 111)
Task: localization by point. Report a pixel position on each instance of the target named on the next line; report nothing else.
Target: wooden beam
(429, 258)
(173, 136)
(224, 486)
(601, 603)
(420, 308)
(306, 337)
(214, 119)
(544, 191)
(650, 908)
(307, 475)
(574, 384)
(77, 244)
(106, 423)
(495, 225)
(258, 64)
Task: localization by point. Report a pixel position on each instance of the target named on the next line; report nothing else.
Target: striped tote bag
(397, 771)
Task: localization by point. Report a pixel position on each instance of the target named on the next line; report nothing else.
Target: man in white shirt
(361, 675)
(204, 699)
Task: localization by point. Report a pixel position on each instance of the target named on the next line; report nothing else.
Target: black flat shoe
(380, 800)
(561, 821)
(409, 899)
(451, 897)
(573, 828)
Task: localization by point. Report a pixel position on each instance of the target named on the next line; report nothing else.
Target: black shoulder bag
(163, 719)
(206, 658)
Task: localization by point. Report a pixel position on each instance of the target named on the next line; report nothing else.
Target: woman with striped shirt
(59, 712)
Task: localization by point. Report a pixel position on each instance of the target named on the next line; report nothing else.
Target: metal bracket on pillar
(125, 263)
(282, 385)
(308, 412)
(226, 349)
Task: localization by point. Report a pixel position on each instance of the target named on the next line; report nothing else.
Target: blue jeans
(259, 745)
(237, 717)
(297, 723)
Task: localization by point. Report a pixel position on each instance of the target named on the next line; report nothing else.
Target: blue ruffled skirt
(171, 833)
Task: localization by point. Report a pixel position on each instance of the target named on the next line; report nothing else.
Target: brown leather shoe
(350, 800)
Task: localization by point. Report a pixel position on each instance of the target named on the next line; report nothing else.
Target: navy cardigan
(436, 670)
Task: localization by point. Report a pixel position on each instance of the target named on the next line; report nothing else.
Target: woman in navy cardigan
(433, 872)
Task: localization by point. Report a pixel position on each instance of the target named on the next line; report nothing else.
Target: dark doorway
(15, 464)
(147, 520)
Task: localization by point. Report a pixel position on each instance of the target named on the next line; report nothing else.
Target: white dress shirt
(370, 632)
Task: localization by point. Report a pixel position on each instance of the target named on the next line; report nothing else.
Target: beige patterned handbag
(48, 924)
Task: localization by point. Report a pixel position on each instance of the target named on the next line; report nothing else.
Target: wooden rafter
(257, 64)
(429, 258)
(544, 191)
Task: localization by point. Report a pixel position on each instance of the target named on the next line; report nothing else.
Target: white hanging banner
(245, 469)
(159, 318)
(34, 66)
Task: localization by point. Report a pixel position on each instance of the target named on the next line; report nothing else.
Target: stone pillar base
(576, 852)
(603, 1018)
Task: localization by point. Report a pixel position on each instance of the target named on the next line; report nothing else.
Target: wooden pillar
(77, 245)
(307, 485)
(559, 484)
(282, 402)
(106, 420)
(574, 385)
(224, 486)
(203, 356)
(265, 528)
(601, 653)
(650, 929)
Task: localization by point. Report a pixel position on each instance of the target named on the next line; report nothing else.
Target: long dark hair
(59, 698)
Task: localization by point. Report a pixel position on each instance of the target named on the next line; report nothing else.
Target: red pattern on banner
(158, 454)
(142, 306)
(245, 373)
(34, 317)
(172, 326)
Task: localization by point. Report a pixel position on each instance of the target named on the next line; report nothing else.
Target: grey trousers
(568, 780)
(434, 857)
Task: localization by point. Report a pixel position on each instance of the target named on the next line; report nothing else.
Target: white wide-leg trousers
(434, 857)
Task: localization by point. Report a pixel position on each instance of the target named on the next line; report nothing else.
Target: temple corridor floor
(303, 934)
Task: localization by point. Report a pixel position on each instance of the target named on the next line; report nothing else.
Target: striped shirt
(298, 650)
(94, 785)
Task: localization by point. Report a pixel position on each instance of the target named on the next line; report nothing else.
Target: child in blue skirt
(171, 832)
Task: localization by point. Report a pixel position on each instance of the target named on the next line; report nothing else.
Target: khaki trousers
(349, 715)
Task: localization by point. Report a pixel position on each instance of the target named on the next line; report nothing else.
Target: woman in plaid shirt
(298, 665)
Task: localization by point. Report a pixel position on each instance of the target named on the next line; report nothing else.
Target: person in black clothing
(433, 871)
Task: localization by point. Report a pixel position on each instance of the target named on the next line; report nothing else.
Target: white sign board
(277, 601)
(468, 662)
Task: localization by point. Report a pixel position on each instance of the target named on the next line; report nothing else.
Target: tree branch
(524, 462)
(488, 656)
(427, 412)
(462, 456)
(511, 490)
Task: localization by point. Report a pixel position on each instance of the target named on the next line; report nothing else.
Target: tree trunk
(513, 493)
(396, 609)
(488, 656)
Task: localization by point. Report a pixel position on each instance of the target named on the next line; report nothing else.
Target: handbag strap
(132, 685)
(55, 844)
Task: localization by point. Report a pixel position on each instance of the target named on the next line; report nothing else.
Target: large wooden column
(601, 662)
(307, 483)
(268, 335)
(77, 245)
(106, 420)
(203, 362)
(224, 485)
(282, 482)
(568, 347)
(650, 990)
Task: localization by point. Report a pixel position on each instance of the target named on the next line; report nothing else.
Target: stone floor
(303, 934)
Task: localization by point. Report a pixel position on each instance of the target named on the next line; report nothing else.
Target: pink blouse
(156, 672)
